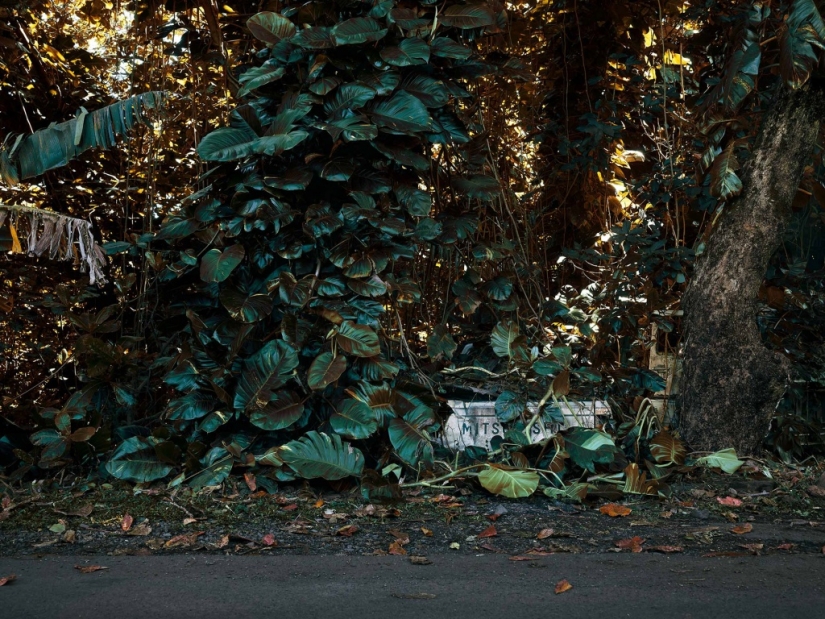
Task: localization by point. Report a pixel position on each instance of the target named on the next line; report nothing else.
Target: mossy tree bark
(732, 382)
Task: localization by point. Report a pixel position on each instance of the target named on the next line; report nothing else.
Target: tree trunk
(731, 381)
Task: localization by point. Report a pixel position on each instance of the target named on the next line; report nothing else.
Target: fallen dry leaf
(126, 523)
(187, 521)
(544, 534)
(729, 501)
(615, 510)
(4, 580)
(318, 504)
(84, 511)
(665, 549)
(251, 482)
(417, 560)
(816, 491)
(289, 508)
(426, 531)
(785, 547)
(562, 586)
(347, 531)
(70, 537)
(88, 569)
(269, 540)
(184, 540)
(396, 549)
(223, 542)
(634, 544)
(742, 529)
(754, 548)
(141, 530)
(400, 537)
(488, 532)
(523, 558)
(457, 546)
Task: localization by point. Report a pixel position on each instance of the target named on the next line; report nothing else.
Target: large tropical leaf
(432, 92)
(259, 76)
(358, 30)
(270, 27)
(59, 143)
(447, 48)
(217, 265)
(587, 448)
(402, 112)
(511, 483)
(409, 437)
(724, 183)
(325, 370)
(322, 455)
(468, 16)
(409, 52)
(283, 411)
(441, 343)
(507, 342)
(135, 460)
(354, 419)
(348, 97)
(667, 449)
(230, 143)
(247, 309)
(358, 340)
(264, 371)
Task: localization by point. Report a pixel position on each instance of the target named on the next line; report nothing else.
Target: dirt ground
(707, 514)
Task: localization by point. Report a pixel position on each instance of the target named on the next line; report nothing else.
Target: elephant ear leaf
(264, 371)
(354, 419)
(441, 343)
(408, 435)
(217, 265)
(667, 449)
(587, 448)
(512, 483)
(357, 340)
(135, 460)
(284, 410)
(322, 455)
(325, 370)
(270, 27)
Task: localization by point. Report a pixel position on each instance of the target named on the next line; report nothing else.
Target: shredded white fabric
(58, 234)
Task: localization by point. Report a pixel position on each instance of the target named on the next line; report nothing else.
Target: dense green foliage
(404, 199)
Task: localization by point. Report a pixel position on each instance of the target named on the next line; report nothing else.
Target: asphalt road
(304, 587)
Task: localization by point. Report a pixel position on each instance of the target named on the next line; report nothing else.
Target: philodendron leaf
(589, 447)
(667, 449)
(322, 455)
(270, 27)
(466, 16)
(283, 411)
(219, 464)
(135, 460)
(358, 30)
(725, 459)
(325, 369)
(408, 436)
(243, 308)
(357, 340)
(263, 372)
(259, 76)
(441, 343)
(354, 419)
(217, 265)
(512, 483)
